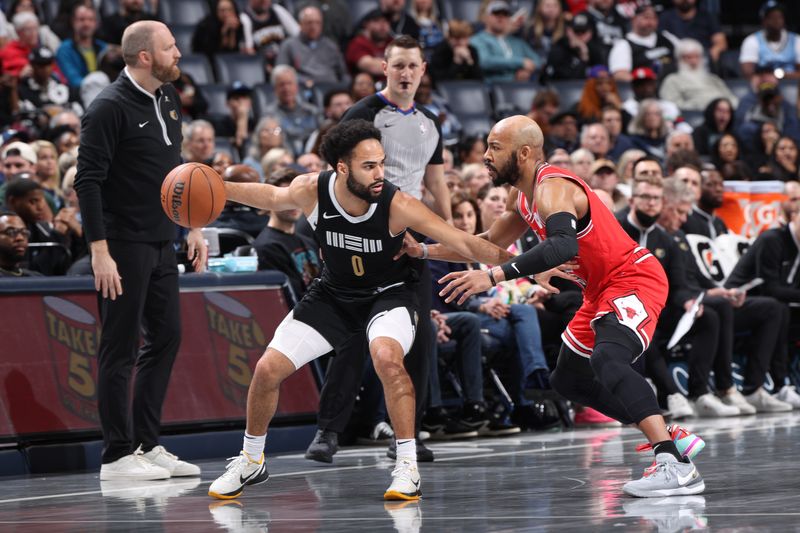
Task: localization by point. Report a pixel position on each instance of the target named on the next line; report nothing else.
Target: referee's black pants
(149, 305)
(345, 371)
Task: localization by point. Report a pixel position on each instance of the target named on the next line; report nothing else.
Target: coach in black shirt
(130, 140)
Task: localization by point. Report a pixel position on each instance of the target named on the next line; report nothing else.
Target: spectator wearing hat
(764, 103)
(315, 57)
(454, 58)
(14, 236)
(129, 11)
(401, 22)
(14, 55)
(685, 21)
(77, 56)
(41, 89)
(609, 25)
(503, 57)
(644, 84)
(600, 90)
(17, 157)
(241, 121)
(643, 47)
(773, 46)
(571, 56)
(693, 87)
(298, 119)
(603, 177)
(365, 51)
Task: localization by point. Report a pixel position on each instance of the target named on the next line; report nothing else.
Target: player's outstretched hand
(197, 250)
(464, 284)
(543, 278)
(410, 247)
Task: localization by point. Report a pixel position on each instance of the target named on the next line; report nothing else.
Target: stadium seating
(186, 12)
(248, 69)
(183, 37)
(197, 66)
(462, 9)
(359, 8)
(476, 123)
(466, 97)
(215, 94)
(513, 98)
(263, 95)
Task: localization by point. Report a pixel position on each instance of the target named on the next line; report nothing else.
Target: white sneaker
(232, 516)
(709, 406)
(240, 471)
(161, 457)
(788, 394)
(765, 402)
(678, 406)
(734, 397)
(406, 516)
(133, 467)
(405, 482)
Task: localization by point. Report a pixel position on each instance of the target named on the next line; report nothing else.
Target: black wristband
(491, 277)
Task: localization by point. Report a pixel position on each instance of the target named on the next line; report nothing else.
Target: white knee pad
(395, 324)
(298, 341)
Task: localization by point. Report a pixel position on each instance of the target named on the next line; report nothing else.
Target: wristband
(491, 277)
(424, 250)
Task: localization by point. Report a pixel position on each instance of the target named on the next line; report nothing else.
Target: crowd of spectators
(648, 102)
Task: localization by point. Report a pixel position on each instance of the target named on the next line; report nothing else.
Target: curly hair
(340, 141)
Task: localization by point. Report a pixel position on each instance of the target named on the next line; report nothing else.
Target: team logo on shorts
(74, 338)
(237, 341)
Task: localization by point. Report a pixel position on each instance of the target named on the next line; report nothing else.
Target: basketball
(193, 195)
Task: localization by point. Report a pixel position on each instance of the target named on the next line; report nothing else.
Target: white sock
(407, 450)
(254, 445)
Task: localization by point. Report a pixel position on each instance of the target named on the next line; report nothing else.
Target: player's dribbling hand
(464, 284)
(197, 250)
(107, 280)
(543, 278)
(410, 247)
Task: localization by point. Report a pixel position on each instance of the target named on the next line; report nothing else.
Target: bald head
(519, 131)
(138, 37)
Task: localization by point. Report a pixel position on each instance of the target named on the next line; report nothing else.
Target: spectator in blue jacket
(503, 57)
(77, 56)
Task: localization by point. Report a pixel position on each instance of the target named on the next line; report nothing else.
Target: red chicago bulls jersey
(616, 274)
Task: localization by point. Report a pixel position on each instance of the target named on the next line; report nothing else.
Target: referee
(130, 140)
(412, 141)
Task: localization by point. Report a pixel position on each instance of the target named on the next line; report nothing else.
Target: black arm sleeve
(560, 246)
(100, 129)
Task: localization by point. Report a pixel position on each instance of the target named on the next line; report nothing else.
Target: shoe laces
(403, 469)
(163, 451)
(655, 468)
(138, 456)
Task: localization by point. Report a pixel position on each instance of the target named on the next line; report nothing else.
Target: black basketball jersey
(357, 252)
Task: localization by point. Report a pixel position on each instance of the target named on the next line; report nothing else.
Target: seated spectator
(582, 160)
(643, 47)
(66, 117)
(758, 155)
(560, 158)
(240, 122)
(335, 103)
(311, 162)
(609, 25)
(626, 164)
(14, 55)
(547, 26)
(470, 150)
(772, 47)
(279, 247)
(46, 171)
(725, 150)
(693, 87)
(193, 103)
(315, 57)
(603, 177)
(220, 32)
(543, 108)
(492, 202)
(267, 135)
(455, 58)
(198, 142)
(476, 177)
(644, 86)
(400, 21)
(336, 18)
(110, 64)
(14, 237)
(427, 96)
(783, 163)
(702, 220)
(238, 216)
(685, 20)
(77, 56)
(600, 90)
(274, 160)
(129, 11)
(611, 118)
(47, 37)
(677, 141)
(41, 89)
(222, 160)
(431, 25)
(298, 119)
(266, 24)
(718, 120)
(502, 56)
(365, 51)
(363, 85)
(564, 130)
(17, 157)
(571, 56)
(648, 129)
(595, 138)
(65, 138)
(764, 103)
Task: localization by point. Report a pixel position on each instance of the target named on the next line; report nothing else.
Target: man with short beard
(130, 140)
(14, 236)
(701, 220)
(693, 87)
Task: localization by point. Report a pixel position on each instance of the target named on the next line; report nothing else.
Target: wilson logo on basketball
(74, 342)
(177, 200)
(238, 342)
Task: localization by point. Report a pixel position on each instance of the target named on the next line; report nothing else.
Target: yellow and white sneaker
(241, 471)
(405, 482)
